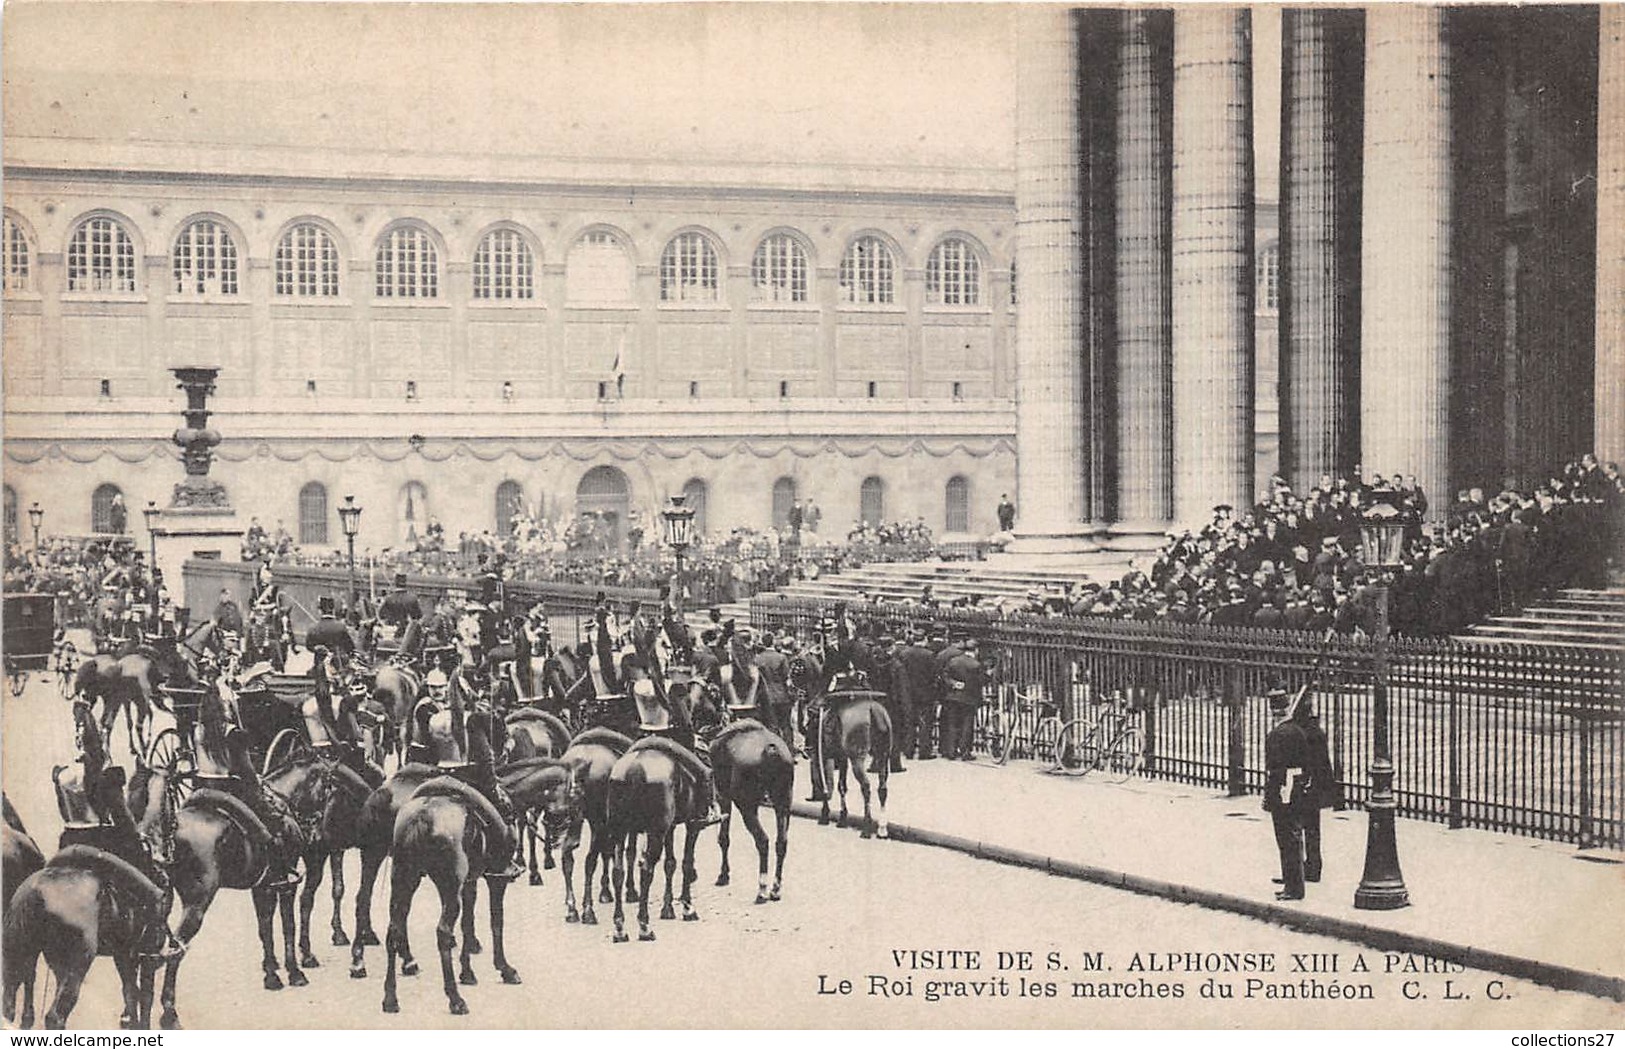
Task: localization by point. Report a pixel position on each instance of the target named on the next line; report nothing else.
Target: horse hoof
(297, 979)
(273, 982)
(883, 832)
(667, 913)
(776, 895)
(308, 961)
(842, 822)
(589, 918)
(468, 979)
(761, 898)
(621, 937)
(605, 897)
(409, 968)
(572, 918)
(823, 821)
(646, 936)
(459, 1007)
(867, 834)
(722, 879)
(391, 1005)
(370, 939)
(358, 972)
(169, 1022)
(691, 916)
(340, 939)
(475, 946)
(548, 864)
(535, 879)
(511, 977)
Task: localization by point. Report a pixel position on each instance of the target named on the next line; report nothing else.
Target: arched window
(510, 504)
(866, 272)
(307, 263)
(694, 495)
(205, 260)
(504, 266)
(953, 274)
(313, 514)
(598, 269)
(784, 497)
(101, 257)
(17, 257)
(872, 501)
(406, 265)
(1269, 277)
(957, 499)
(778, 272)
(107, 511)
(688, 269)
(414, 512)
(10, 523)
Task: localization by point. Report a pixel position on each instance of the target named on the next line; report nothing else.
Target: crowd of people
(1294, 561)
(94, 580)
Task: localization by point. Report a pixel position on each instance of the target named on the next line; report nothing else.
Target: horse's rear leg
(465, 971)
(371, 860)
(781, 815)
(861, 773)
(667, 913)
(20, 963)
(620, 847)
(572, 839)
(403, 883)
(646, 871)
(691, 831)
(191, 922)
(125, 963)
(753, 823)
(547, 850)
(845, 815)
(883, 830)
(290, 929)
(264, 914)
(498, 889)
(726, 804)
(336, 859)
(70, 975)
(535, 874)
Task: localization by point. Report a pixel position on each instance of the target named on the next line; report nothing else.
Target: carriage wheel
(1074, 748)
(1125, 757)
(170, 753)
(285, 746)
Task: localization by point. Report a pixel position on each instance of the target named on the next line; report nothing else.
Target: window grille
(406, 266)
(510, 504)
(17, 258)
(778, 273)
(103, 512)
(957, 499)
(784, 497)
(953, 275)
(688, 270)
(872, 501)
(307, 263)
(1269, 278)
(504, 267)
(313, 514)
(205, 260)
(866, 272)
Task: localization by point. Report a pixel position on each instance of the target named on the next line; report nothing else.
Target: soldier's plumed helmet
(437, 679)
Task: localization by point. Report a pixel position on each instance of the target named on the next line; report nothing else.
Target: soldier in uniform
(1286, 757)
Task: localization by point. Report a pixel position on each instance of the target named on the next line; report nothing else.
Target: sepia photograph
(812, 516)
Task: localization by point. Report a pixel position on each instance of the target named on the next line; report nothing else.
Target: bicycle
(1116, 743)
(995, 724)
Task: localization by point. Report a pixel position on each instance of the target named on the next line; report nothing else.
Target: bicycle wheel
(1125, 757)
(993, 733)
(1074, 748)
(1044, 736)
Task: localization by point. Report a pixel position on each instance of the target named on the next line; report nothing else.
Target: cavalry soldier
(228, 617)
(419, 748)
(225, 764)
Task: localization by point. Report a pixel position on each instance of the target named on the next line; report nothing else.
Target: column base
(1137, 536)
(1086, 540)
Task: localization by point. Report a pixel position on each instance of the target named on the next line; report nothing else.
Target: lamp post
(350, 519)
(151, 514)
(1382, 887)
(679, 520)
(35, 516)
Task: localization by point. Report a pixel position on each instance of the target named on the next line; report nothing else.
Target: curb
(1549, 974)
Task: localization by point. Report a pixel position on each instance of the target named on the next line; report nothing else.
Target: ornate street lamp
(350, 519)
(151, 514)
(679, 521)
(35, 516)
(1382, 887)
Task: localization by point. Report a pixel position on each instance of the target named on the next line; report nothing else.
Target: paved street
(849, 905)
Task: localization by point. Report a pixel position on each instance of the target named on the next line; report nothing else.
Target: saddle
(234, 811)
(671, 748)
(733, 728)
(444, 786)
(605, 737)
(120, 874)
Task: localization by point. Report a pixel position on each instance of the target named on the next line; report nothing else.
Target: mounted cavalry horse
(535, 733)
(854, 731)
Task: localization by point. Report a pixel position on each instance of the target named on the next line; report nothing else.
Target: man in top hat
(773, 663)
(329, 632)
(1286, 763)
(400, 606)
(963, 680)
(917, 672)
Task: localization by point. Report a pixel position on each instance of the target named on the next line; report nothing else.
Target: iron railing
(1527, 739)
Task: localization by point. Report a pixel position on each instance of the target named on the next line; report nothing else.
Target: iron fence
(1527, 739)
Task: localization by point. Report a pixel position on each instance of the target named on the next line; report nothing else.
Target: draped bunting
(28, 452)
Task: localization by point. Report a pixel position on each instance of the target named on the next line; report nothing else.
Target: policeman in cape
(840, 677)
(1286, 761)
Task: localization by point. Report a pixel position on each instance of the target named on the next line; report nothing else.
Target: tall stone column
(1317, 388)
(1405, 249)
(1144, 346)
(1051, 450)
(1213, 385)
(1609, 426)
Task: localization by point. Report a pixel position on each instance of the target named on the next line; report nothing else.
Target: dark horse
(595, 752)
(396, 688)
(650, 793)
(855, 733)
(535, 733)
(130, 683)
(752, 765)
(86, 902)
(218, 846)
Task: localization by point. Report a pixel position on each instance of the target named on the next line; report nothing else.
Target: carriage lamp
(35, 515)
(350, 519)
(679, 521)
(1382, 886)
(151, 512)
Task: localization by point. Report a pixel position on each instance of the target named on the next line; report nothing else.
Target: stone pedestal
(183, 534)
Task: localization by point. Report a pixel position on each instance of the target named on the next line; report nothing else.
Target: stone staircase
(1588, 618)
